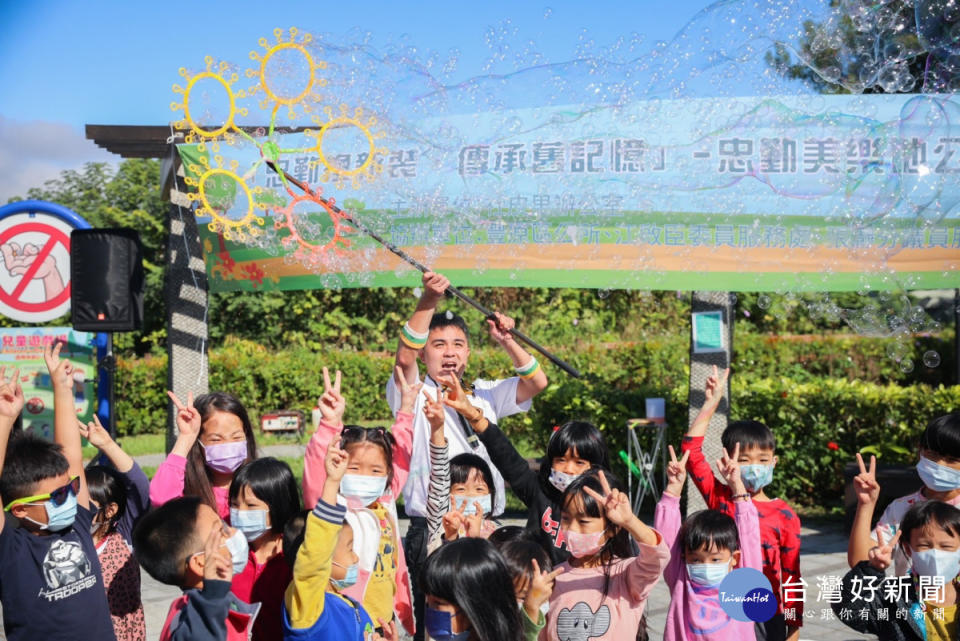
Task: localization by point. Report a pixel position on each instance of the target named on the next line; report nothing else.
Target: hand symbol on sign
(20, 261)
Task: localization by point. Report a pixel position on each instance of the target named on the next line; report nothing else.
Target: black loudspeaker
(106, 280)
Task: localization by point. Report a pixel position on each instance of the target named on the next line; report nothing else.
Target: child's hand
(61, 371)
(676, 472)
(11, 394)
(452, 521)
(541, 587)
(473, 521)
(715, 387)
(881, 555)
(216, 566)
(865, 483)
(729, 466)
(615, 503)
(332, 404)
(500, 328)
(335, 462)
(188, 418)
(436, 416)
(408, 393)
(389, 631)
(455, 397)
(95, 433)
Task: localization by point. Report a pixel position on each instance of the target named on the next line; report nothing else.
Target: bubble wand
(333, 210)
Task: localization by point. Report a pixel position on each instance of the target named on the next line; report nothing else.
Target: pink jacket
(167, 484)
(579, 610)
(314, 475)
(695, 613)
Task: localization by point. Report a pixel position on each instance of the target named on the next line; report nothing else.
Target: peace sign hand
(473, 522)
(436, 416)
(715, 388)
(61, 371)
(188, 418)
(729, 467)
(541, 587)
(880, 556)
(615, 503)
(865, 483)
(11, 394)
(332, 404)
(676, 472)
(452, 521)
(408, 393)
(335, 462)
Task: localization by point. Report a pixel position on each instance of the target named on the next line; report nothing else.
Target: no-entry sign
(34, 267)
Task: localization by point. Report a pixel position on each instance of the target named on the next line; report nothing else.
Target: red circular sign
(34, 405)
(12, 299)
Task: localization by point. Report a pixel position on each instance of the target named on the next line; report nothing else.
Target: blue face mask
(362, 487)
(938, 478)
(708, 575)
(466, 503)
(439, 626)
(59, 517)
(239, 551)
(756, 476)
(253, 523)
(935, 562)
(353, 572)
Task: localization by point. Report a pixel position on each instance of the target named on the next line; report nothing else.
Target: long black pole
(451, 290)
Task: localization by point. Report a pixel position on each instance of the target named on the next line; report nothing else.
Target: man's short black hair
(748, 434)
(30, 460)
(449, 319)
(166, 537)
(942, 435)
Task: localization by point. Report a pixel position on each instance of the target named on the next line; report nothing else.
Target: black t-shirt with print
(51, 586)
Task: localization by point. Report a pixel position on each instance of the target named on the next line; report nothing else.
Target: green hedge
(806, 390)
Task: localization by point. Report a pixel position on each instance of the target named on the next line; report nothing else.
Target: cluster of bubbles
(782, 49)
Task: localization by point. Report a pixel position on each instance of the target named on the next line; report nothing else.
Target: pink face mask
(583, 545)
(225, 457)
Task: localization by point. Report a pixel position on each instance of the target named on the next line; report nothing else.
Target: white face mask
(561, 480)
(935, 562)
(239, 551)
(362, 487)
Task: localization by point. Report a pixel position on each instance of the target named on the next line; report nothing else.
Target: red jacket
(264, 584)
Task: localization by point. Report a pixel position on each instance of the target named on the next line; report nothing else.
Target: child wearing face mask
(574, 448)
(939, 471)
(185, 543)
(120, 496)
(377, 468)
(50, 577)
(929, 535)
(703, 551)
(603, 588)
(533, 578)
(469, 594)
(315, 606)
(215, 438)
(263, 497)
(461, 493)
(779, 524)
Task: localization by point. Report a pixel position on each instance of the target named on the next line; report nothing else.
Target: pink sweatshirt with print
(579, 610)
(695, 613)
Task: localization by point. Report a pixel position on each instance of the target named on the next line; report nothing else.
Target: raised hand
(615, 504)
(188, 418)
(408, 393)
(865, 483)
(881, 555)
(95, 433)
(61, 371)
(436, 416)
(216, 566)
(434, 285)
(335, 462)
(389, 631)
(676, 472)
(452, 521)
(332, 404)
(11, 394)
(455, 397)
(541, 587)
(500, 328)
(729, 467)
(715, 387)
(473, 521)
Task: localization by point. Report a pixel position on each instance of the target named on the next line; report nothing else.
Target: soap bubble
(931, 359)
(906, 365)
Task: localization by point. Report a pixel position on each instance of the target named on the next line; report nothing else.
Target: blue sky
(65, 64)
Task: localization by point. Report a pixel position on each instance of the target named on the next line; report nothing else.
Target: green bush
(807, 391)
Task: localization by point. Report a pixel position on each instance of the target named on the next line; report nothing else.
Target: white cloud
(35, 151)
